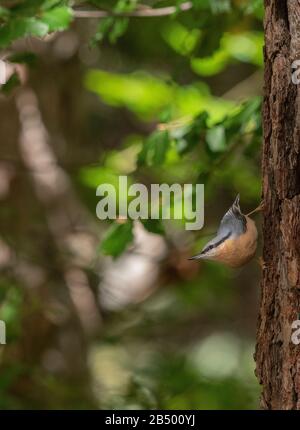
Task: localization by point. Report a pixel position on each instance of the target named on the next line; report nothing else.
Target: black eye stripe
(215, 245)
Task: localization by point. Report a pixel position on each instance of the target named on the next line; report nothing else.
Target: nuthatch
(236, 240)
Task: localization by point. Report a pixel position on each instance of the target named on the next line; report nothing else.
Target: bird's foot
(259, 208)
(262, 263)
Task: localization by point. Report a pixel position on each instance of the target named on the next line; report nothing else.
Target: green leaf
(36, 27)
(23, 58)
(20, 27)
(155, 149)
(209, 66)
(12, 82)
(255, 7)
(50, 4)
(118, 237)
(4, 12)
(245, 47)
(180, 38)
(194, 134)
(35, 19)
(118, 29)
(216, 6)
(124, 6)
(220, 6)
(188, 136)
(114, 27)
(153, 226)
(104, 26)
(246, 119)
(58, 18)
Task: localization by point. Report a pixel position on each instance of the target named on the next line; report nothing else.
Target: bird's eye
(208, 248)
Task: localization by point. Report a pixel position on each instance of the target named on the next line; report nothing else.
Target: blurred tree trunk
(278, 359)
(53, 338)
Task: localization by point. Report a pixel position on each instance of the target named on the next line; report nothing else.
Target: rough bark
(277, 358)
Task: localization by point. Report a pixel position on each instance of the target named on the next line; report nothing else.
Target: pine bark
(277, 357)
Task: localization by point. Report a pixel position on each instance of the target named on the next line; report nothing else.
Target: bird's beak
(196, 257)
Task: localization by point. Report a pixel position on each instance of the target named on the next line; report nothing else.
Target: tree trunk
(277, 357)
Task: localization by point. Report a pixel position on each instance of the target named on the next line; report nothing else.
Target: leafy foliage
(117, 239)
(18, 21)
(208, 124)
(154, 149)
(10, 84)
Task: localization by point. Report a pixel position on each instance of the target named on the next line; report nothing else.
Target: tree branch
(145, 12)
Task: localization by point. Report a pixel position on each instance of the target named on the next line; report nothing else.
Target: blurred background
(112, 314)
